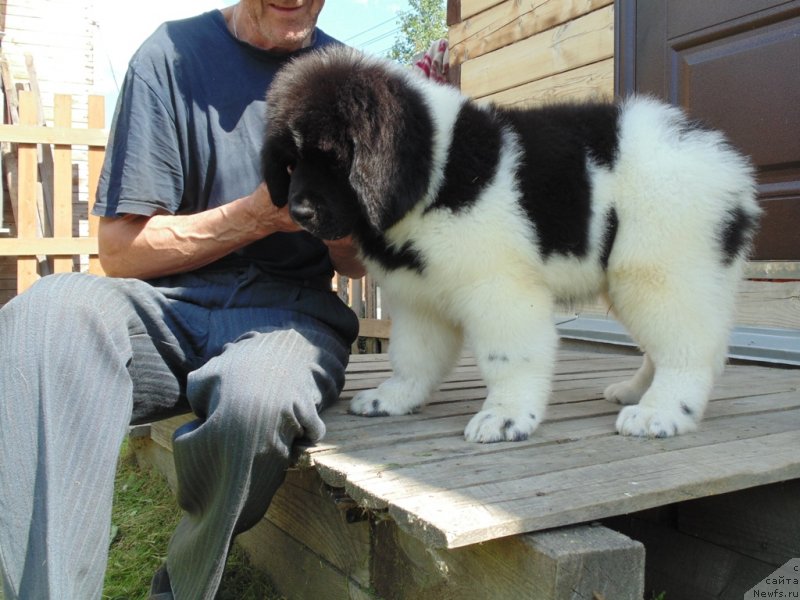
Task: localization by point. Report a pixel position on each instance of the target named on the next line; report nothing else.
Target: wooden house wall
(526, 52)
(56, 39)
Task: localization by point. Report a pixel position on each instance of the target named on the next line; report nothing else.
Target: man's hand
(343, 252)
(344, 256)
(264, 212)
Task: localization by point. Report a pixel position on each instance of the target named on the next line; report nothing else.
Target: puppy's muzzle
(301, 212)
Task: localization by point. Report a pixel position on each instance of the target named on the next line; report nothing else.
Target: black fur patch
(393, 142)
(277, 154)
(375, 247)
(612, 223)
(557, 142)
(472, 159)
(497, 357)
(736, 233)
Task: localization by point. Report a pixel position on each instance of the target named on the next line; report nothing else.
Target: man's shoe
(160, 587)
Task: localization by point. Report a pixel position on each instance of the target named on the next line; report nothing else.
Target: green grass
(144, 515)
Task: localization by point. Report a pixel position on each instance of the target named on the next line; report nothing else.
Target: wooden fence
(41, 191)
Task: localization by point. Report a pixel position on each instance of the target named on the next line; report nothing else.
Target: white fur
(665, 281)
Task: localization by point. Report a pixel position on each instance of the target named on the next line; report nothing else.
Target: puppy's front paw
(492, 425)
(381, 402)
(644, 421)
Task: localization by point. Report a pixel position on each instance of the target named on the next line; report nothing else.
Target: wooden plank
(587, 416)
(45, 189)
(758, 304)
(96, 120)
(470, 515)
(3, 228)
(62, 181)
(586, 40)
(403, 442)
(579, 406)
(294, 569)
(304, 510)
(9, 158)
(590, 383)
(300, 511)
(378, 328)
(155, 456)
(590, 82)
(450, 409)
(763, 522)
(687, 567)
(510, 22)
(773, 269)
(588, 436)
(32, 246)
(382, 487)
(768, 304)
(333, 559)
(473, 7)
(370, 298)
(574, 469)
(12, 99)
(573, 562)
(161, 431)
(31, 133)
(357, 296)
(569, 386)
(567, 359)
(27, 173)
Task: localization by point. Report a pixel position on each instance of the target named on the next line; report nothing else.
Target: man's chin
(294, 40)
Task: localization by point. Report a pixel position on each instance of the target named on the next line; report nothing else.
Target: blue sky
(367, 24)
(371, 25)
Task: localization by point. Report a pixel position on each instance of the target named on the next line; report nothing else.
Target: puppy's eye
(290, 168)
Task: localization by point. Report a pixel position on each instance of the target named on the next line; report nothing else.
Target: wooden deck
(451, 493)
(444, 493)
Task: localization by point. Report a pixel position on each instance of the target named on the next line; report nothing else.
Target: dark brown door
(734, 64)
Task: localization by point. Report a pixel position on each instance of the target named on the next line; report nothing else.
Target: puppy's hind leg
(682, 321)
(423, 349)
(632, 390)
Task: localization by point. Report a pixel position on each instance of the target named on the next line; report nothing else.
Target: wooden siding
(59, 35)
(530, 52)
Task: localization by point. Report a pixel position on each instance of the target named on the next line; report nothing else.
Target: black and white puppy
(475, 220)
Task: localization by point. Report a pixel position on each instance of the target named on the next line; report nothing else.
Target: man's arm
(162, 244)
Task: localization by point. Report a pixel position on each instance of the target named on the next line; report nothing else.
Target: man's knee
(68, 293)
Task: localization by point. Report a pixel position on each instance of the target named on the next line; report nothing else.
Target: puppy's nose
(301, 212)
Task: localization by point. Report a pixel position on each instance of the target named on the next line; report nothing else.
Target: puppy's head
(314, 183)
(348, 143)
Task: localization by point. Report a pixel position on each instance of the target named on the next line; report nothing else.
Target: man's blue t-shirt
(187, 135)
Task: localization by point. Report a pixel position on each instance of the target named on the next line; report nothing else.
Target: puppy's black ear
(392, 152)
(276, 158)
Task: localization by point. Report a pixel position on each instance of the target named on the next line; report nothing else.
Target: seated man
(215, 303)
